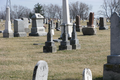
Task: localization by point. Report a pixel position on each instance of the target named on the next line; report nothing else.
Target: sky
(96, 4)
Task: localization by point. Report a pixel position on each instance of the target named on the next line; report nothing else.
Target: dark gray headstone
(74, 41)
(40, 71)
(37, 25)
(19, 30)
(49, 45)
(112, 68)
(65, 44)
(102, 25)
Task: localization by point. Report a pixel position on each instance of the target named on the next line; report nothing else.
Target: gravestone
(78, 26)
(74, 41)
(66, 19)
(8, 33)
(90, 29)
(26, 26)
(46, 20)
(52, 27)
(95, 23)
(49, 45)
(65, 44)
(112, 67)
(57, 26)
(102, 25)
(19, 30)
(40, 71)
(87, 74)
(37, 25)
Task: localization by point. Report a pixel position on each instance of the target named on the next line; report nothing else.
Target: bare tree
(109, 6)
(79, 8)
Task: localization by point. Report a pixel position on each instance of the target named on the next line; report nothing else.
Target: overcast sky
(30, 3)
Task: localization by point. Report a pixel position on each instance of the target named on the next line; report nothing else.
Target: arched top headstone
(40, 71)
(87, 74)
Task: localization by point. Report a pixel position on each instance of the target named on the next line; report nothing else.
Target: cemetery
(62, 50)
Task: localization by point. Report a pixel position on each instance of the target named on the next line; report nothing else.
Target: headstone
(52, 27)
(78, 26)
(65, 44)
(74, 41)
(66, 19)
(95, 23)
(90, 29)
(87, 74)
(37, 25)
(19, 30)
(40, 71)
(49, 45)
(102, 25)
(26, 26)
(112, 68)
(8, 33)
(57, 26)
(46, 20)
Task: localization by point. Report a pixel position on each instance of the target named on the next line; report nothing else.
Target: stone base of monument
(48, 49)
(103, 28)
(111, 72)
(89, 31)
(65, 46)
(39, 31)
(78, 28)
(20, 34)
(75, 44)
(8, 35)
(27, 30)
(68, 47)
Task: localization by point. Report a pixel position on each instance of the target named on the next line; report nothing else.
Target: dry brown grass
(18, 56)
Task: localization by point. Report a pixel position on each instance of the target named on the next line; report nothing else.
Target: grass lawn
(18, 56)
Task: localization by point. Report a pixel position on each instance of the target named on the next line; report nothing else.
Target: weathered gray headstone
(8, 33)
(26, 26)
(112, 68)
(19, 30)
(87, 74)
(40, 71)
(65, 44)
(90, 29)
(74, 41)
(102, 25)
(37, 25)
(49, 45)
